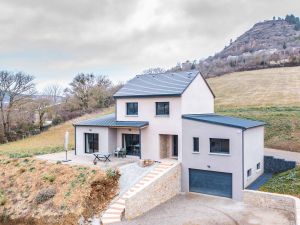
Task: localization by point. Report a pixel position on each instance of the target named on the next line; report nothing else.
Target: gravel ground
(194, 209)
(131, 174)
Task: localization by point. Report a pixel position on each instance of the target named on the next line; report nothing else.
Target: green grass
(284, 183)
(282, 130)
(49, 141)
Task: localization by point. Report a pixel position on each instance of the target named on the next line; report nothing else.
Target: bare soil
(25, 185)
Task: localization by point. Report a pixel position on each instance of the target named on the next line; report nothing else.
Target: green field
(271, 95)
(49, 141)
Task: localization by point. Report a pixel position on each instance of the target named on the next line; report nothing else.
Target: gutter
(243, 159)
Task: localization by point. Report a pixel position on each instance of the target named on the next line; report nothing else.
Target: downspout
(75, 137)
(140, 135)
(243, 155)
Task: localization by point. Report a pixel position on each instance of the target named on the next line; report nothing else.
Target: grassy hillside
(48, 141)
(271, 95)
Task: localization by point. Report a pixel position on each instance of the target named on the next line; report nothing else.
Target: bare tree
(81, 88)
(155, 70)
(15, 90)
(54, 91)
(41, 107)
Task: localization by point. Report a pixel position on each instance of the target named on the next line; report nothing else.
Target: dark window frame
(258, 166)
(249, 172)
(135, 108)
(224, 144)
(196, 145)
(165, 108)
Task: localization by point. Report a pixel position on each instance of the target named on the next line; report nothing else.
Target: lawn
(270, 95)
(49, 141)
(284, 183)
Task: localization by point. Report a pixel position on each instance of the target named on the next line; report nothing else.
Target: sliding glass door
(91, 143)
(131, 142)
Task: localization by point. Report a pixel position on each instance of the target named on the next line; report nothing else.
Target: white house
(171, 115)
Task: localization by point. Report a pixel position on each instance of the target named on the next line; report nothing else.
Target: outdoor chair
(123, 152)
(118, 152)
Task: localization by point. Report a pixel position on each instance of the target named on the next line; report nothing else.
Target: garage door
(210, 182)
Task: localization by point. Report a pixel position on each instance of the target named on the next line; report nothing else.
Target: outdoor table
(104, 156)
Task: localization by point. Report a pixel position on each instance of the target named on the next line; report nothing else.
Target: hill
(49, 141)
(270, 95)
(268, 44)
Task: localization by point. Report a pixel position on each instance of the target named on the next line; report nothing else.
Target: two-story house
(171, 115)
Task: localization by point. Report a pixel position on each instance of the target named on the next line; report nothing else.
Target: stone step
(121, 201)
(110, 221)
(111, 216)
(110, 210)
(117, 206)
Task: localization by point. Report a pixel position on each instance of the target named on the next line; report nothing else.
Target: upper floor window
(162, 108)
(218, 145)
(195, 144)
(132, 108)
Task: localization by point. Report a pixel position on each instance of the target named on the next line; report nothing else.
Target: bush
(49, 177)
(44, 195)
(57, 120)
(113, 173)
(19, 155)
(2, 198)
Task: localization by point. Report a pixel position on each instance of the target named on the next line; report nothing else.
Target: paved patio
(87, 160)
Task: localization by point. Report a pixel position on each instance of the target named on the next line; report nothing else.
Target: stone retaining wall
(275, 165)
(274, 201)
(157, 192)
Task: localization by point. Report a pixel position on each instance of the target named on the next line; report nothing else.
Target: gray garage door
(210, 182)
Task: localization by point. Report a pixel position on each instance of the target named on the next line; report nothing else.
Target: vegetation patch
(282, 128)
(284, 183)
(44, 193)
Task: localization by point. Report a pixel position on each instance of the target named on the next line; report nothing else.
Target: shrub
(2, 197)
(44, 195)
(58, 162)
(49, 177)
(112, 173)
(19, 155)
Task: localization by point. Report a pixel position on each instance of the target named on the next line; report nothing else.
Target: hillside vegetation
(49, 141)
(270, 95)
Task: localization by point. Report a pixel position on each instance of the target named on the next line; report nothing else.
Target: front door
(131, 142)
(91, 143)
(175, 145)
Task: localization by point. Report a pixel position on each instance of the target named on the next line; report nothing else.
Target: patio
(87, 160)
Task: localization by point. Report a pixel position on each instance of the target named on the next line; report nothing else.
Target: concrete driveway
(194, 209)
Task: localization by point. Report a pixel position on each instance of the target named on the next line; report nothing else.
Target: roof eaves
(147, 96)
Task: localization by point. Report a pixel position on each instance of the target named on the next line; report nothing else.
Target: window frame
(249, 173)
(196, 141)
(219, 152)
(134, 113)
(165, 109)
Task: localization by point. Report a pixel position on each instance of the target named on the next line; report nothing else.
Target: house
(171, 115)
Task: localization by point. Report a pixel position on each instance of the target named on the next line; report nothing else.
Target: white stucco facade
(246, 145)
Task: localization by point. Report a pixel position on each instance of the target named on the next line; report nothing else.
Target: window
(258, 166)
(132, 108)
(249, 172)
(196, 144)
(219, 145)
(162, 108)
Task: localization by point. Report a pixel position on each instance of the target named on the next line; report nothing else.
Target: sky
(55, 40)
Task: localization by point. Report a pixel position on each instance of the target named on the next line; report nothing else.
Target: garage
(210, 182)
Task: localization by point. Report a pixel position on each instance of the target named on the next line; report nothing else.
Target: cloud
(57, 39)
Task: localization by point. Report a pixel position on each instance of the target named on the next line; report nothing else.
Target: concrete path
(194, 209)
(287, 155)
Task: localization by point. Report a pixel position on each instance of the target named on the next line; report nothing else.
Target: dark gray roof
(165, 84)
(224, 120)
(110, 121)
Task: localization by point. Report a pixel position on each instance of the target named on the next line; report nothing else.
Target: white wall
(157, 124)
(254, 153)
(107, 138)
(231, 163)
(197, 98)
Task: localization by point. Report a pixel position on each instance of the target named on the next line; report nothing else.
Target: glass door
(91, 143)
(131, 142)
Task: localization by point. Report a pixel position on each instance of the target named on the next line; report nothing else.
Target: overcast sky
(56, 39)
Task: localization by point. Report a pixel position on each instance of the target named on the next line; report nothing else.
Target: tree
(41, 107)
(16, 89)
(155, 70)
(81, 87)
(54, 92)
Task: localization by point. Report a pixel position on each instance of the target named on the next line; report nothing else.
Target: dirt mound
(35, 192)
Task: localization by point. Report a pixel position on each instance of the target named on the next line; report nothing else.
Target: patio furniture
(123, 152)
(102, 156)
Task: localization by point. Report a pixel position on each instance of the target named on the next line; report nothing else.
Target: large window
(132, 108)
(219, 145)
(162, 108)
(195, 144)
(91, 142)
